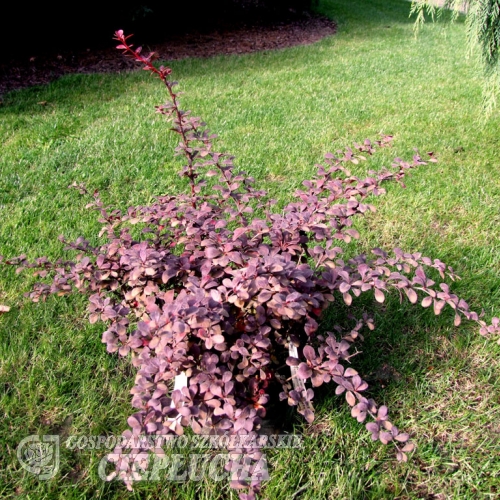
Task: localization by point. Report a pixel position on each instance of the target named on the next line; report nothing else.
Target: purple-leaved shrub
(220, 294)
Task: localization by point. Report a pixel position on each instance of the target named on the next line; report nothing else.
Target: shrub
(223, 287)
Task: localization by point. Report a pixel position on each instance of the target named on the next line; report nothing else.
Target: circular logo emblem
(39, 456)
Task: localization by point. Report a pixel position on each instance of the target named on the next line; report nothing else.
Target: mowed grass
(278, 112)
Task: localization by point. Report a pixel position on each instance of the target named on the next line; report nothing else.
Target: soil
(39, 69)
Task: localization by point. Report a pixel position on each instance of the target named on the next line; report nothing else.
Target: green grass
(279, 112)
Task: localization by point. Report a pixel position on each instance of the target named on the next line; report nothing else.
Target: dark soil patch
(39, 69)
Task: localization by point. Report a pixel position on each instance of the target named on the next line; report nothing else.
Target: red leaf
(212, 252)
(238, 232)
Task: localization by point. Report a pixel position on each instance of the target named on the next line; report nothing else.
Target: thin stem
(162, 73)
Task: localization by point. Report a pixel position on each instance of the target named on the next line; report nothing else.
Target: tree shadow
(366, 15)
(234, 31)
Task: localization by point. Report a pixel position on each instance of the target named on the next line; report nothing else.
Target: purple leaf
(309, 353)
(379, 296)
(304, 372)
(427, 301)
(350, 398)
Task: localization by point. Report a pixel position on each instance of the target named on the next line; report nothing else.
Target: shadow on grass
(371, 15)
(362, 18)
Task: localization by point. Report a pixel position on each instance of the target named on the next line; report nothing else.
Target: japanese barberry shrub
(220, 294)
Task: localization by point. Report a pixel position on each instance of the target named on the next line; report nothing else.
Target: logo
(39, 456)
(142, 466)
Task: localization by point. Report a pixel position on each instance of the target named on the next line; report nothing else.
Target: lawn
(278, 112)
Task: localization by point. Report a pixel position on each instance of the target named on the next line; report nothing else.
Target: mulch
(39, 69)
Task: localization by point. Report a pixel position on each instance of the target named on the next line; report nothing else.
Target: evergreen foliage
(483, 34)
